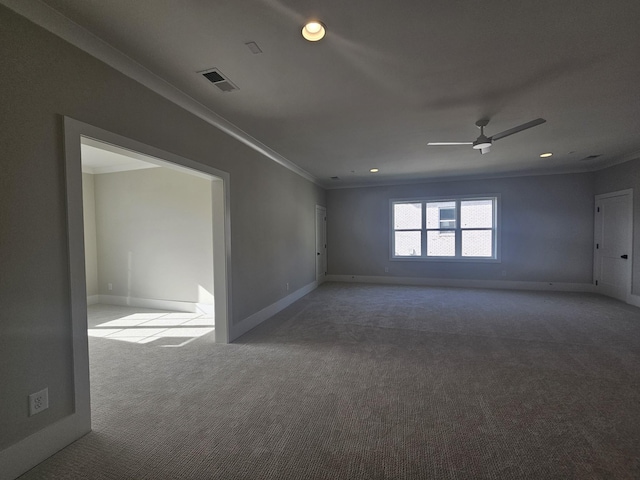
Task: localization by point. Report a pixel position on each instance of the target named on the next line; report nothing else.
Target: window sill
(446, 259)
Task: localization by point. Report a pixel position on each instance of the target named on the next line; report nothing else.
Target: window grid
(404, 242)
(463, 236)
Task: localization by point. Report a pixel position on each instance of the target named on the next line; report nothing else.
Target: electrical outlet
(38, 401)
(504, 273)
(386, 269)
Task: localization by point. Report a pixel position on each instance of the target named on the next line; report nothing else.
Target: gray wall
(547, 230)
(90, 239)
(44, 78)
(621, 177)
(154, 229)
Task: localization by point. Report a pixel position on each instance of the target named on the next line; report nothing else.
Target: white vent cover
(218, 79)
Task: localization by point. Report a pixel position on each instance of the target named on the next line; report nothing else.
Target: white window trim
(497, 222)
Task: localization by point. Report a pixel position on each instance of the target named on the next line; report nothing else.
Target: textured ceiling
(392, 76)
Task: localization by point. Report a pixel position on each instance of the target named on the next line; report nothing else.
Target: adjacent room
(148, 236)
(274, 239)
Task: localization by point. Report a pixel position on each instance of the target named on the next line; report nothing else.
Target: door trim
(321, 276)
(628, 192)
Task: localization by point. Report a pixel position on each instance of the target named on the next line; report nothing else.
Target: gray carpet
(376, 382)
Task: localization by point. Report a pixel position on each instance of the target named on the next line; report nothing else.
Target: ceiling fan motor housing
(482, 142)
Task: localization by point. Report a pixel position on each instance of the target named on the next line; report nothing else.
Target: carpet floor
(376, 382)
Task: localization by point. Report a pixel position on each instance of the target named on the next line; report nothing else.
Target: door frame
(321, 276)
(628, 193)
(74, 130)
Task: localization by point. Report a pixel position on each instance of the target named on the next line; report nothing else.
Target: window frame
(496, 229)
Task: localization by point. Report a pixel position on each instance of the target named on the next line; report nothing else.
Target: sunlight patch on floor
(165, 329)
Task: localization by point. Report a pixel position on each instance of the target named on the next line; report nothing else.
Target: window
(448, 217)
(452, 228)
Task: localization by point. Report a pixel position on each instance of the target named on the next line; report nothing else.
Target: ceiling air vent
(590, 157)
(335, 178)
(219, 80)
(253, 48)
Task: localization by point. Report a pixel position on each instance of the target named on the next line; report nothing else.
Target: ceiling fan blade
(448, 144)
(519, 128)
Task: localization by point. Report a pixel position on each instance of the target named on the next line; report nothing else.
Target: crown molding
(618, 160)
(63, 27)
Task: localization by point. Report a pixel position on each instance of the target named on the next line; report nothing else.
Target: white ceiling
(99, 157)
(392, 76)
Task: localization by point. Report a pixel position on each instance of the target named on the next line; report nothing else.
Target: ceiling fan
(483, 143)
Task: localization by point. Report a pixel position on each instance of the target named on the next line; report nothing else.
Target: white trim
(27, 453)
(320, 276)
(205, 308)
(221, 210)
(496, 199)
(93, 299)
(454, 177)
(617, 193)
(56, 23)
(464, 283)
(63, 27)
(257, 318)
(76, 131)
(627, 192)
(635, 155)
(191, 307)
(633, 299)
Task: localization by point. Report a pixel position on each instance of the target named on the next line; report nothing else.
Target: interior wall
(44, 78)
(90, 238)
(280, 237)
(621, 177)
(546, 230)
(154, 229)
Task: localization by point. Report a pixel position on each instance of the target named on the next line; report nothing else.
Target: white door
(321, 243)
(613, 240)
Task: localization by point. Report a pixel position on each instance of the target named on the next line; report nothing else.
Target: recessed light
(314, 31)
(545, 155)
(374, 170)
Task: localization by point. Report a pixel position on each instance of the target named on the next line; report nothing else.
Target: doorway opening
(129, 290)
(148, 248)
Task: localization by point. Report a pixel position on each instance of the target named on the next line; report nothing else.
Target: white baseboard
(464, 283)
(29, 452)
(206, 308)
(633, 300)
(257, 318)
(93, 299)
(177, 306)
